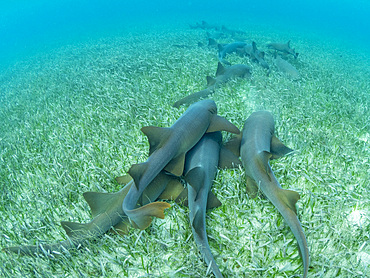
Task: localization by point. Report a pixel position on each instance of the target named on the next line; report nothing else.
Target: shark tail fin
(219, 123)
(141, 217)
(278, 149)
(156, 135)
(290, 198)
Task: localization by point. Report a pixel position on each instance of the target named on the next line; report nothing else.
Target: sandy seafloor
(70, 122)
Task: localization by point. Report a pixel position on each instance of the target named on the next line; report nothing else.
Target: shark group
(189, 153)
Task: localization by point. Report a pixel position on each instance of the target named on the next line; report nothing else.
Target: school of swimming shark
(184, 158)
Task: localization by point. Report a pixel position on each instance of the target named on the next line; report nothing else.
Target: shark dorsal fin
(173, 189)
(99, 202)
(195, 178)
(210, 81)
(136, 171)
(212, 42)
(122, 227)
(176, 165)
(220, 69)
(125, 179)
(74, 229)
(220, 47)
(289, 198)
(213, 201)
(278, 149)
(252, 188)
(288, 44)
(219, 123)
(156, 135)
(227, 159)
(254, 45)
(197, 222)
(234, 144)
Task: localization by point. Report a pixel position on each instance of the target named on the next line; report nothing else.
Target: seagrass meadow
(70, 123)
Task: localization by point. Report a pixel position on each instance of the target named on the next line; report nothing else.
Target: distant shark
(283, 47)
(258, 146)
(168, 147)
(204, 25)
(107, 213)
(287, 68)
(229, 48)
(255, 54)
(223, 75)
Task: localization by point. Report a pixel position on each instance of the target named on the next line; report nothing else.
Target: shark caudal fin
(219, 123)
(278, 149)
(142, 216)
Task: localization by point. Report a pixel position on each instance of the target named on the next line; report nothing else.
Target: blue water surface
(28, 26)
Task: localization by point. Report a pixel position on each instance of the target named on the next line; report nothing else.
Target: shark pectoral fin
(125, 179)
(210, 81)
(219, 123)
(195, 178)
(220, 69)
(252, 188)
(76, 230)
(234, 144)
(99, 202)
(278, 149)
(142, 216)
(213, 201)
(227, 159)
(290, 198)
(182, 199)
(172, 191)
(156, 135)
(197, 222)
(176, 165)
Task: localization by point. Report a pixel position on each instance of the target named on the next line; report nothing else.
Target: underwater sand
(70, 122)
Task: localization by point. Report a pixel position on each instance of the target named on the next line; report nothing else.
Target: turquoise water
(31, 26)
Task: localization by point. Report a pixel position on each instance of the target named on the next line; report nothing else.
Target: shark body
(258, 146)
(107, 213)
(287, 68)
(223, 75)
(168, 147)
(200, 170)
(283, 47)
